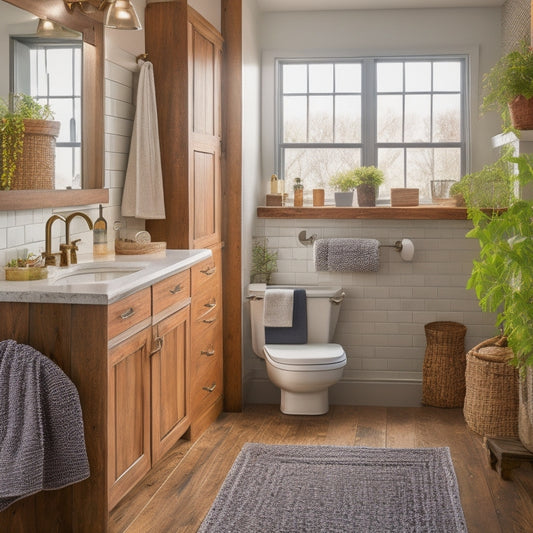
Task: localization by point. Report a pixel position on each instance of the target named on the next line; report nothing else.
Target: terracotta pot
(521, 110)
(525, 410)
(366, 195)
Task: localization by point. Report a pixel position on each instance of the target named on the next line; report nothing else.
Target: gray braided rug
(312, 489)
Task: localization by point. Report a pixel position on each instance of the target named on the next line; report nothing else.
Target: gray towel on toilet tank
(346, 255)
(42, 444)
(297, 333)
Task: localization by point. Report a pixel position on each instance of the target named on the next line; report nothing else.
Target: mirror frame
(93, 192)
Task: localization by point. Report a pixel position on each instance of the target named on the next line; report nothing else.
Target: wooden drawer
(206, 305)
(206, 271)
(206, 386)
(171, 291)
(206, 350)
(129, 311)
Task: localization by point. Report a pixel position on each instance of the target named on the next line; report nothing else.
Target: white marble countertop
(152, 268)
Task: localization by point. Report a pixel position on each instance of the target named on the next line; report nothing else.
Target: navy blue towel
(297, 334)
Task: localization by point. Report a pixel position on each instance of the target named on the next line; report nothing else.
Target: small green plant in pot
(14, 116)
(503, 280)
(368, 181)
(344, 184)
(264, 262)
(491, 187)
(508, 88)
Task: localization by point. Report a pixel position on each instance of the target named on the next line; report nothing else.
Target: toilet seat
(305, 357)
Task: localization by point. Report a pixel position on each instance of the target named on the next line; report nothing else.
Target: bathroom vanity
(121, 330)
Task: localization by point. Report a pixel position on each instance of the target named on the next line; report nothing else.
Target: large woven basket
(491, 401)
(36, 165)
(521, 111)
(443, 373)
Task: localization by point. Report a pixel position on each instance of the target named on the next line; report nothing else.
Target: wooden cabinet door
(170, 389)
(128, 414)
(205, 51)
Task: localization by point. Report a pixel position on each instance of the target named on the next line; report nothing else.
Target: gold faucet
(68, 250)
(49, 257)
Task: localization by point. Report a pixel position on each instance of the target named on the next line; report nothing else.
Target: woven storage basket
(521, 111)
(443, 373)
(36, 165)
(491, 401)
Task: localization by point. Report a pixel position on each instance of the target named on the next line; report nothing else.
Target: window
(50, 71)
(405, 115)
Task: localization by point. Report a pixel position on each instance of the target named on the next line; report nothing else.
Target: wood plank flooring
(177, 494)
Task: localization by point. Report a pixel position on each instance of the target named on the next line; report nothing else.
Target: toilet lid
(305, 354)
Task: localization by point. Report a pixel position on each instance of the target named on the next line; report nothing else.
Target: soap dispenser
(100, 234)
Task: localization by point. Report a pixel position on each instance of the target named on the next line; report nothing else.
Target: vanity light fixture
(120, 14)
(51, 29)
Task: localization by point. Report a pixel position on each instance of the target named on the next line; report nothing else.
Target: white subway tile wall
(381, 324)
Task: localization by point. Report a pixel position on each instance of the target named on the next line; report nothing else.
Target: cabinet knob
(127, 314)
(209, 271)
(210, 389)
(176, 289)
(158, 346)
(211, 303)
(209, 352)
(208, 320)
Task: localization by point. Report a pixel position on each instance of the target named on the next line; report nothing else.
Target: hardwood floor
(177, 494)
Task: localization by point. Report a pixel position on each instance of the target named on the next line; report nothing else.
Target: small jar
(298, 192)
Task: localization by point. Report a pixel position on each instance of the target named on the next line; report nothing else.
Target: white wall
(382, 321)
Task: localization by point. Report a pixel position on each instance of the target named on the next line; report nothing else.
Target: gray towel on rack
(42, 443)
(346, 255)
(297, 334)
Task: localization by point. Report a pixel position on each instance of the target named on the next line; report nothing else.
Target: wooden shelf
(36, 199)
(421, 212)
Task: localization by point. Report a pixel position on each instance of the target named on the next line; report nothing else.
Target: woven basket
(36, 165)
(443, 373)
(491, 401)
(521, 111)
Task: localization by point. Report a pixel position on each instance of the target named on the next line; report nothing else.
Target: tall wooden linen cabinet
(186, 51)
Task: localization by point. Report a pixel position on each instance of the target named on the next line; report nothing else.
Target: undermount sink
(96, 272)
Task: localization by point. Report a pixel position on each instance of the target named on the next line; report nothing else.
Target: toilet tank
(323, 306)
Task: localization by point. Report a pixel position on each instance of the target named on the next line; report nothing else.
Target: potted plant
(491, 187)
(368, 181)
(27, 136)
(264, 262)
(344, 184)
(503, 280)
(508, 88)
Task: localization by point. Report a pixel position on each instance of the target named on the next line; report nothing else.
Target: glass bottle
(100, 234)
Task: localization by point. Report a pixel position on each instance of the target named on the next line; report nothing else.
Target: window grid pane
(418, 111)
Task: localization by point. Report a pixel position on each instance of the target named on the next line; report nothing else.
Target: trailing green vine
(503, 275)
(12, 115)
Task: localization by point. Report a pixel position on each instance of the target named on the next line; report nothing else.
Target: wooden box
(404, 197)
(274, 199)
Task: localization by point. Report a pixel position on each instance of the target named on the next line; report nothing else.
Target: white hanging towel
(143, 187)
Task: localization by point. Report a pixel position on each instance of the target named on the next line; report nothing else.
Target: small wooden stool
(507, 454)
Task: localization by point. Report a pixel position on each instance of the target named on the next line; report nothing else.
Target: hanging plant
(12, 115)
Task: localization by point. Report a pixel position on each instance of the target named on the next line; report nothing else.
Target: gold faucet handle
(52, 259)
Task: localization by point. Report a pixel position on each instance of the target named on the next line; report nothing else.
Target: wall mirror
(72, 58)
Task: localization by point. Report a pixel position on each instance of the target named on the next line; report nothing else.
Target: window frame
(369, 144)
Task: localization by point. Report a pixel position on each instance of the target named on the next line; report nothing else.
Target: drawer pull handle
(127, 314)
(209, 352)
(210, 389)
(209, 271)
(159, 346)
(208, 320)
(211, 303)
(176, 289)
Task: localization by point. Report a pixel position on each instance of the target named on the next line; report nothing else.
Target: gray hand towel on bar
(346, 255)
(42, 443)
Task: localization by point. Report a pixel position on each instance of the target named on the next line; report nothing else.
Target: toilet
(303, 372)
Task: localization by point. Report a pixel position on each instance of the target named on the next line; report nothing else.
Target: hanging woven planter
(35, 167)
(521, 110)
